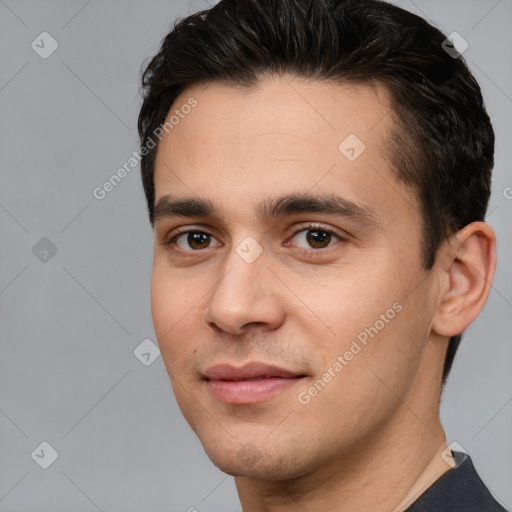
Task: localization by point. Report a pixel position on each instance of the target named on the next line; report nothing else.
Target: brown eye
(318, 239)
(315, 238)
(193, 240)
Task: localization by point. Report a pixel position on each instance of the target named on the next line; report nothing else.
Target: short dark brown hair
(443, 141)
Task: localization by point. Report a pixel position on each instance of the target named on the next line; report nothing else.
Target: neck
(437, 466)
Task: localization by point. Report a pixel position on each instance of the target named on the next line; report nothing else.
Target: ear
(467, 265)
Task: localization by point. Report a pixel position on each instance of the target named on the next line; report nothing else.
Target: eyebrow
(270, 208)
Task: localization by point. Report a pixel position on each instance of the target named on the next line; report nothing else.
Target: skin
(371, 438)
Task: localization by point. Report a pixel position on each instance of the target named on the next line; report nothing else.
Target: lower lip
(249, 392)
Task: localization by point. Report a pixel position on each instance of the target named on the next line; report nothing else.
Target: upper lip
(252, 370)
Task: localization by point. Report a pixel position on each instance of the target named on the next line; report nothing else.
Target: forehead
(279, 114)
(285, 133)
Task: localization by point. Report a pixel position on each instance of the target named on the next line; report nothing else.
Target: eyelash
(302, 227)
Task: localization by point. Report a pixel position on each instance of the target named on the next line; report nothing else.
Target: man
(317, 174)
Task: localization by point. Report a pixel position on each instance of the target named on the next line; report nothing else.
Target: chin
(270, 463)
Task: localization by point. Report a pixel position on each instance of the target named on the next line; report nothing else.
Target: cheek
(352, 299)
(371, 317)
(170, 310)
(383, 345)
(364, 367)
(163, 307)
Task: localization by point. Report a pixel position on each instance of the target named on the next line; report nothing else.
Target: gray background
(70, 323)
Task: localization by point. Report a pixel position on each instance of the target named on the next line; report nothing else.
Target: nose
(248, 294)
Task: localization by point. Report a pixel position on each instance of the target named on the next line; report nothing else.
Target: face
(288, 295)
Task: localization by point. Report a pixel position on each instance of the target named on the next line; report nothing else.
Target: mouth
(249, 384)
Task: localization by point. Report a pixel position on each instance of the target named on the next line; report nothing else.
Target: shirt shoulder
(459, 490)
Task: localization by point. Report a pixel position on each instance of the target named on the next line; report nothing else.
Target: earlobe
(467, 276)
